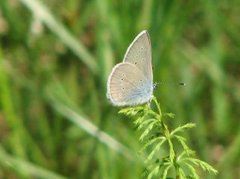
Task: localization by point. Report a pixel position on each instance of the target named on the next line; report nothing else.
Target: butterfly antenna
(164, 83)
(182, 84)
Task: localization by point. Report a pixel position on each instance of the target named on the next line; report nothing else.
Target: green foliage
(156, 136)
(55, 57)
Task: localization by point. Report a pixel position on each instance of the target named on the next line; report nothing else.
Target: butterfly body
(131, 82)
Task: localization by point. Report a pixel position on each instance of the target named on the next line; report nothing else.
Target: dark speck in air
(122, 79)
(135, 63)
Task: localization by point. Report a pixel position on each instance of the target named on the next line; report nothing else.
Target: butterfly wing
(127, 85)
(139, 53)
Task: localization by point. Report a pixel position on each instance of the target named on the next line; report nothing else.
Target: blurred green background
(56, 55)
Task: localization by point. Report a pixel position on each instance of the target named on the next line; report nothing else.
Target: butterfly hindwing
(127, 85)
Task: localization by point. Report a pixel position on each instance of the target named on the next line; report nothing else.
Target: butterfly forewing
(127, 85)
(139, 53)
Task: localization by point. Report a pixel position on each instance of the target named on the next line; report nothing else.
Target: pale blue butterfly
(131, 82)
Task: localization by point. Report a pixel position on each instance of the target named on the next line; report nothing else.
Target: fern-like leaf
(164, 176)
(146, 123)
(131, 111)
(170, 115)
(156, 135)
(154, 172)
(155, 149)
(192, 170)
(182, 141)
(154, 140)
(147, 130)
(182, 128)
(205, 166)
(182, 174)
(171, 151)
(140, 120)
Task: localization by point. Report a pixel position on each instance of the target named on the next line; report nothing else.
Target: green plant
(179, 160)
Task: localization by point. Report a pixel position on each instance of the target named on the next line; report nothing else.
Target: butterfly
(131, 82)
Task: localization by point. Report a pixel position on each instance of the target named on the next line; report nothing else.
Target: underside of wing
(139, 53)
(127, 85)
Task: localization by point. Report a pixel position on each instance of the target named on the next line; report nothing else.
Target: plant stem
(165, 129)
(176, 166)
(158, 106)
(166, 133)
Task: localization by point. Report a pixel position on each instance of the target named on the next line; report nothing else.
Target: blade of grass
(87, 126)
(216, 54)
(105, 51)
(145, 18)
(13, 122)
(231, 155)
(19, 138)
(41, 11)
(24, 167)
